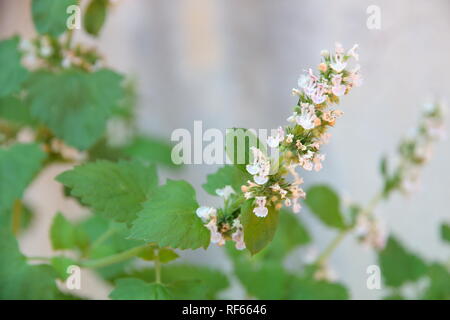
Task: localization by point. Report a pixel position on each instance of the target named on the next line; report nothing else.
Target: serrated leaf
(114, 190)
(258, 232)
(61, 264)
(311, 289)
(136, 289)
(95, 16)
(169, 218)
(445, 232)
(229, 175)
(77, 107)
(150, 150)
(12, 74)
(399, 266)
(50, 16)
(65, 235)
(18, 280)
(324, 203)
(18, 165)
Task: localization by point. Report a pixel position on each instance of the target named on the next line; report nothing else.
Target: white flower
(317, 160)
(225, 192)
(216, 236)
(238, 235)
(274, 141)
(261, 210)
(206, 213)
(338, 88)
(289, 138)
(337, 62)
(307, 118)
(260, 168)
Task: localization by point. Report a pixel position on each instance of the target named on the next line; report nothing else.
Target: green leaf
(311, 289)
(439, 286)
(18, 165)
(399, 266)
(291, 234)
(95, 16)
(324, 203)
(238, 142)
(77, 107)
(445, 232)
(210, 281)
(12, 74)
(136, 289)
(65, 235)
(50, 16)
(150, 150)
(165, 255)
(18, 280)
(266, 281)
(14, 110)
(229, 175)
(60, 264)
(258, 232)
(169, 218)
(114, 190)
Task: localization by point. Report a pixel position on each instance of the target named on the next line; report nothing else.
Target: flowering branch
(298, 143)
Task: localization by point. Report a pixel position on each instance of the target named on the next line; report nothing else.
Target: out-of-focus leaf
(50, 16)
(439, 286)
(445, 232)
(311, 289)
(61, 264)
(291, 234)
(77, 106)
(150, 150)
(324, 203)
(399, 266)
(136, 289)
(95, 16)
(12, 74)
(18, 165)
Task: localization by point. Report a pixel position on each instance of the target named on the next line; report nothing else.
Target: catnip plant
(61, 103)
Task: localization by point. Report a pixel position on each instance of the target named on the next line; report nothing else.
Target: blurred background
(233, 63)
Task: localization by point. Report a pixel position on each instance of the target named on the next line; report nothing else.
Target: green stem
(116, 258)
(157, 267)
(323, 258)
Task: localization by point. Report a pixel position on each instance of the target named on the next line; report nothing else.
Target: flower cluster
(299, 143)
(52, 53)
(219, 225)
(417, 150)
